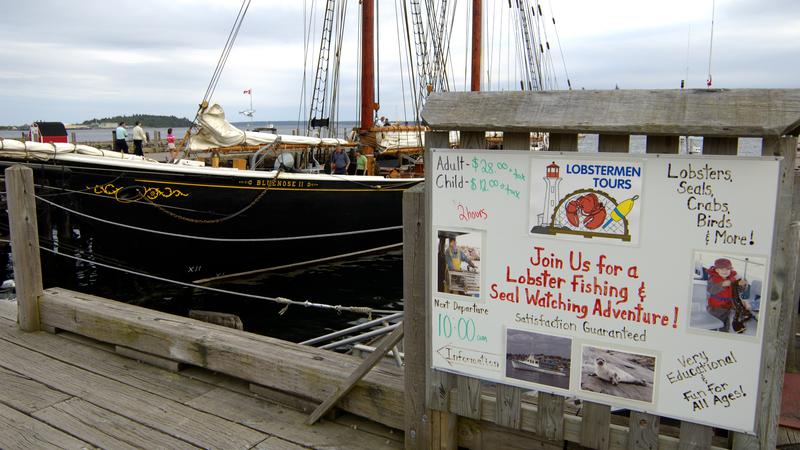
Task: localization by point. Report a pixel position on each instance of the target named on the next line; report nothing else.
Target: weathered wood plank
(24, 432)
(442, 384)
(286, 424)
(563, 142)
(516, 141)
(695, 436)
(595, 428)
(8, 311)
(282, 398)
(687, 112)
(270, 362)
(108, 365)
(508, 406)
(793, 350)
(613, 143)
(473, 434)
(782, 298)
(469, 397)
(198, 428)
(417, 416)
(663, 144)
(153, 360)
(24, 232)
(26, 395)
(105, 429)
(472, 139)
(618, 436)
(276, 443)
(643, 431)
(444, 430)
(362, 369)
(550, 423)
(720, 145)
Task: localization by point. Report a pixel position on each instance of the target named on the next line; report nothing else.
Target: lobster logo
(586, 210)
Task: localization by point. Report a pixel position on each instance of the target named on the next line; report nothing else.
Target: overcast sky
(72, 61)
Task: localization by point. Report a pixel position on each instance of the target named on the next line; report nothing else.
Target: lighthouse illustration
(552, 179)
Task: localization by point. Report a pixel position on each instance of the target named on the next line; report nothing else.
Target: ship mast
(367, 65)
(475, 84)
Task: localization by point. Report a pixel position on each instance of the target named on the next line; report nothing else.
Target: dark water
(373, 281)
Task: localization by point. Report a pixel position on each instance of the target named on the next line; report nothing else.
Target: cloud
(71, 61)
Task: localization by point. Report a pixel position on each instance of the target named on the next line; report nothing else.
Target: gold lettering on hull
(130, 194)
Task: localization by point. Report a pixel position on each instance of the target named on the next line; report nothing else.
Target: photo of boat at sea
(538, 358)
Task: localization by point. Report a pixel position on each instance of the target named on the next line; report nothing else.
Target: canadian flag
(249, 91)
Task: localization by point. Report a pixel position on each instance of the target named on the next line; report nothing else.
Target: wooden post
(24, 245)
(613, 143)
(563, 142)
(72, 137)
(418, 423)
(114, 141)
(443, 423)
(781, 297)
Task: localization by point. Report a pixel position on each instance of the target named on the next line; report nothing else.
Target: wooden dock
(65, 391)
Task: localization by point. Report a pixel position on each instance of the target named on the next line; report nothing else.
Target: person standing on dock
(361, 163)
(339, 162)
(173, 151)
(139, 136)
(121, 135)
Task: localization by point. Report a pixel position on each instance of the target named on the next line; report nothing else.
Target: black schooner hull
(198, 223)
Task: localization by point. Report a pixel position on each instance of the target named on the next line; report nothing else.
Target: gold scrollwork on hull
(130, 194)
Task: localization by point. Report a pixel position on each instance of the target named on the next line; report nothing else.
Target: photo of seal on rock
(614, 374)
(617, 373)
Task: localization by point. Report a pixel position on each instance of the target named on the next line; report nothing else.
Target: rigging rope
(711, 43)
(237, 24)
(212, 239)
(280, 300)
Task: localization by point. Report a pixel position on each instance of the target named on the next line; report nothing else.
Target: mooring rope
(280, 300)
(213, 239)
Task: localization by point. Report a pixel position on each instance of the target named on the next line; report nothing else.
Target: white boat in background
(541, 363)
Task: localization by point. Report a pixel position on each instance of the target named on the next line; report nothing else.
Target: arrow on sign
(458, 356)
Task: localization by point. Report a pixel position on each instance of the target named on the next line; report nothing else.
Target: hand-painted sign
(632, 280)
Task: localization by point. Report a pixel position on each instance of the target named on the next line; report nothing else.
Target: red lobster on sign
(586, 208)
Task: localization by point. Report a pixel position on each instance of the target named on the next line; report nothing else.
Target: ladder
(317, 117)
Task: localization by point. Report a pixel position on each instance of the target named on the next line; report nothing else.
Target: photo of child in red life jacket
(719, 290)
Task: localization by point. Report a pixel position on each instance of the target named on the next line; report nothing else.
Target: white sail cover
(46, 151)
(215, 131)
(391, 140)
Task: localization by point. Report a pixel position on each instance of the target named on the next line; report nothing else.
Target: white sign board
(632, 280)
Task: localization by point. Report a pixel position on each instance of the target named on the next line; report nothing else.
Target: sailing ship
(197, 222)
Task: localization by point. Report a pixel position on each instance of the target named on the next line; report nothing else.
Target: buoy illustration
(621, 210)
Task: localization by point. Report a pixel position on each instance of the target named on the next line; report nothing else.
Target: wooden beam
(563, 142)
(613, 143)
(688, 112)
(695, 436)
(24, 245)
(595, 428)
(417, 415)
(374, 357)
(663, 144)
(782, 299)
(643, 431)
(289, 367)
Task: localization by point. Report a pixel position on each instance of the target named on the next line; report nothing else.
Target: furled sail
(214, 131)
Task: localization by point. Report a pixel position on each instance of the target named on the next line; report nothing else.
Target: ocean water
(373, 281)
